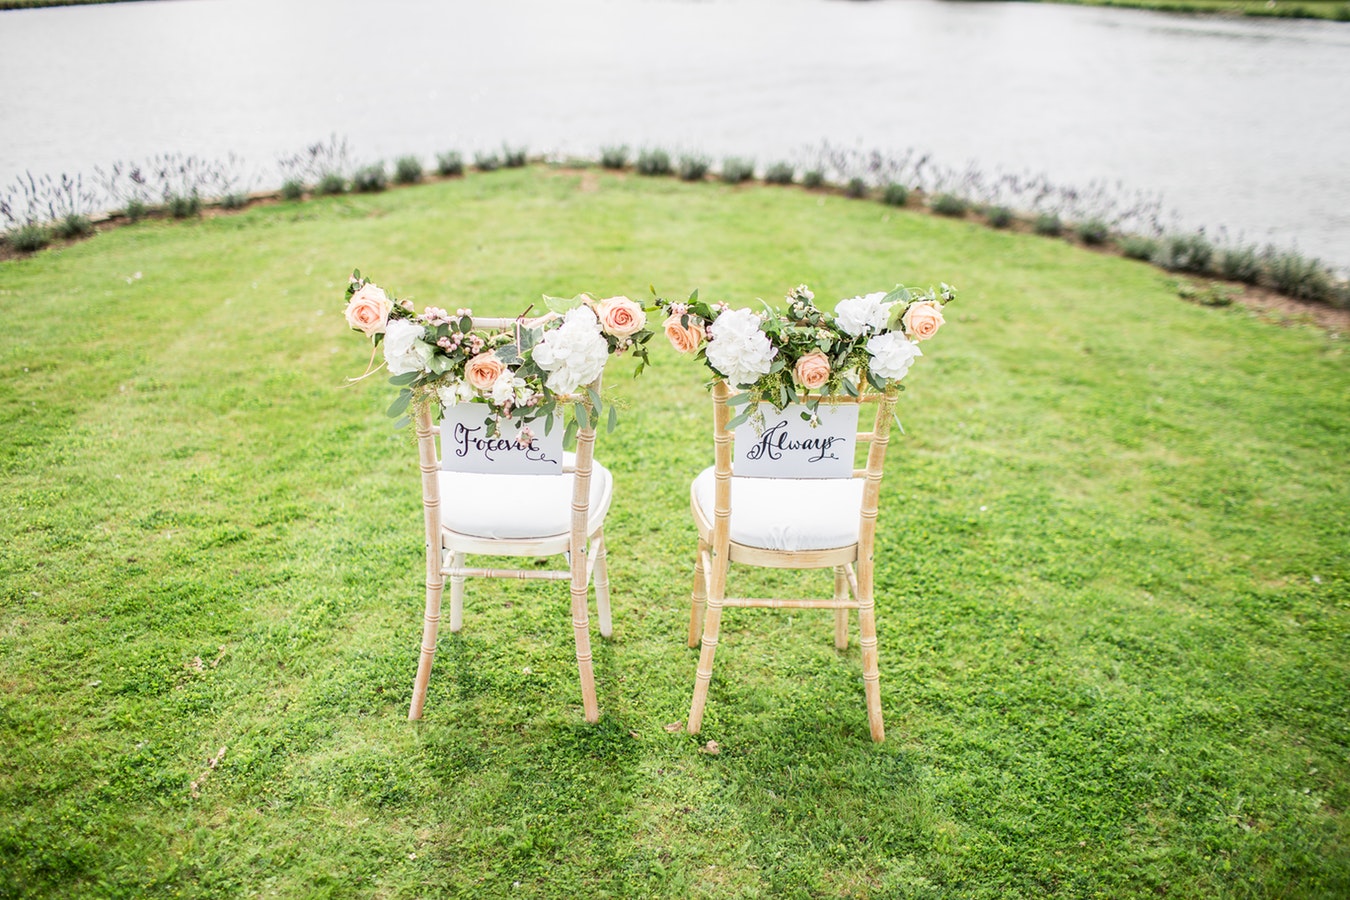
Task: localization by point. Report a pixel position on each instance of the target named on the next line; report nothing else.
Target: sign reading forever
(467, 446)
(789, 447)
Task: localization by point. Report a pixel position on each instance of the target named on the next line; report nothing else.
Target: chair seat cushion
(787, 513)
(519, 507)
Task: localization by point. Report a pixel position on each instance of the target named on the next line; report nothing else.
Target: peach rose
(922, 319)
(483, 371)
(684, 338)
(620, 316)
(812, 370)
(368, 311)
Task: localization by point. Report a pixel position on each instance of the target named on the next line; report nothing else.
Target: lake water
(1239, 123)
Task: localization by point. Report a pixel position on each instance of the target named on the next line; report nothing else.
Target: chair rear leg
(867, 626)
(431, 621)
(581, 630)
(712, 623)
(700, 596)
(602, 587)
(456, 595)
(840, 615)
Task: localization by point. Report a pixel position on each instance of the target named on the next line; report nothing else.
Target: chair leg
(700, 596)
(840, 615)
(456, 595)
(602, 587)
(581, 630)
(712, 623)
(867, 626)
(431, 621)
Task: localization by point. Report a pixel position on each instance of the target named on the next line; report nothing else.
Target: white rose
(504, 388)
(574, 353)
(450, 394)
(738, 349)
(863, 314)
(892, 355)
(404, 350)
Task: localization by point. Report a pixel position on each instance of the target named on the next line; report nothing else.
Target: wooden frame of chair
(852, 564)
(446, 552)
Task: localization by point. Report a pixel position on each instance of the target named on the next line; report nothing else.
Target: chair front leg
(700, 596)
(841, 614)
(456, 595)
(602, 586)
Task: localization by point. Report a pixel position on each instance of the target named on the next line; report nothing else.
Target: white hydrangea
(892, 355)
(859, 315)
(574, 353)
(738, 349)
(404, 349)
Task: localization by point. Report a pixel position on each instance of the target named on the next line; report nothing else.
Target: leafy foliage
(653, 162)
(614, 156)
(999, 216)
(370, 179)
(895, 194)
(949, 205)
(780, 173)
(407, 170)
(450, 163)
(693, 167)
(737, 169)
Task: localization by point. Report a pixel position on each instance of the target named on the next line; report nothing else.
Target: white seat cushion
(519, 507)
(787, 513)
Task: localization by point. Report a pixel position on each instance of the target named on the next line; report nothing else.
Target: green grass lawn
(1114, 579)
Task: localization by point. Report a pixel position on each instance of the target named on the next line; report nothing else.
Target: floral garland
(779, 358)
(521, 374)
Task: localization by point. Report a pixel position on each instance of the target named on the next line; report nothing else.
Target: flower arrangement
(532, 370)
(869, 341)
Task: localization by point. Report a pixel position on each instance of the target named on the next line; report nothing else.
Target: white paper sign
(789, 447)
(467, 445)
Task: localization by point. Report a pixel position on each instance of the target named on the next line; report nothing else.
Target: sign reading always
(467, 445)
(789, 447)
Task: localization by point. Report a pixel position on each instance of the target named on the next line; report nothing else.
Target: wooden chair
(789, 523)
(514, 515)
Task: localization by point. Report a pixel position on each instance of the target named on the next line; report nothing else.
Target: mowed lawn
(1113, 578)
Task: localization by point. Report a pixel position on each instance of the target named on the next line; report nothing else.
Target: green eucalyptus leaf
(901, 294)
(570, 435)
(400, 404)
(738, 399)
(613, 420)
(583, 415)
(739, 420)
(561, 305)
(404, 379)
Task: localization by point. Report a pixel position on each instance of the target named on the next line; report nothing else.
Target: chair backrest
(797, 443)
(469, 445)
(807, 449)
(489, 456)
